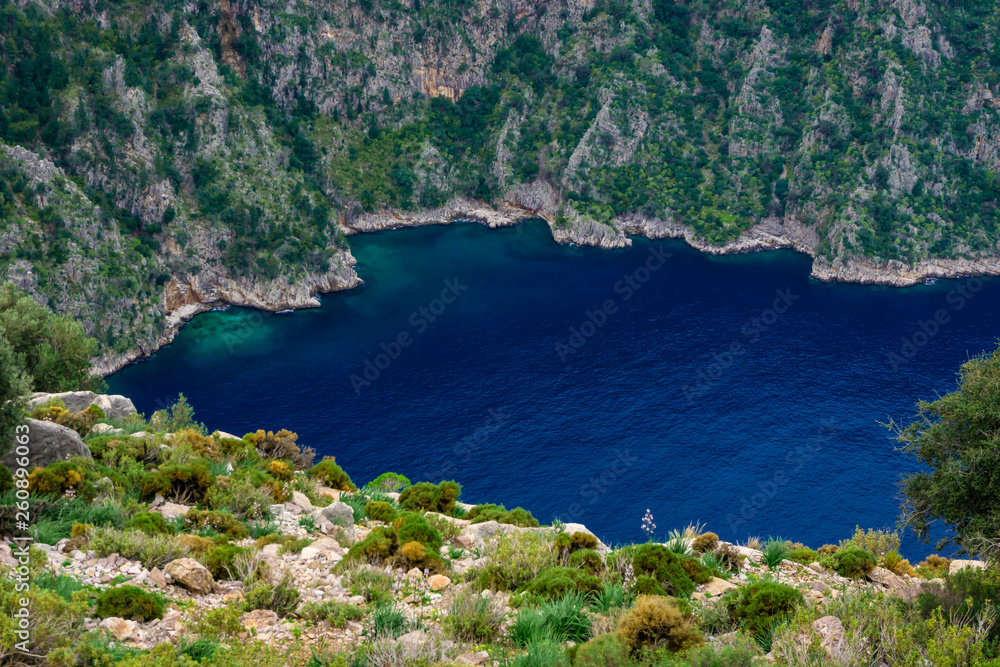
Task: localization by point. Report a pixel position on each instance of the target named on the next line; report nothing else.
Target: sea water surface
(591, 385)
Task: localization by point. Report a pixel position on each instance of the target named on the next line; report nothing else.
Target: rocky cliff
(164, 157)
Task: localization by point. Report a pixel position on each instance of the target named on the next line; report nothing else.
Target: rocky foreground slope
(160, 542)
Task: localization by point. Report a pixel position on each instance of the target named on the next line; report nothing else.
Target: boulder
(571, 528)
(831, 632)
(959, 565)
(106, 429)
(171, 511)
(191, 574)
(339, 514)
(438, 582)
(479, 533)
(327, 545)
(717, 587)
(477, 658)
(886, 578)
(302, 501)
(48, 442)
(113, 405)
(120, 628)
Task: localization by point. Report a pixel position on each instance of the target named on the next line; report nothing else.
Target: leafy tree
(14, 385)
(53, 352)
(958, 438)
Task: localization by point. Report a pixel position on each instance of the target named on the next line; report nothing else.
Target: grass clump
(561, 620)
(151, 523)
(220, 522)
(656, 623)
(474, 618)
(220, 560)
(337, 614)
(129, 602)
(774, 552)
(514, 560)
(282, 597)
(803, 555)
(374, 585)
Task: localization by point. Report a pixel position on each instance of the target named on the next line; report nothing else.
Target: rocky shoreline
(184, 298)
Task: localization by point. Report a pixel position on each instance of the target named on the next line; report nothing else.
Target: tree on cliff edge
(958, 438)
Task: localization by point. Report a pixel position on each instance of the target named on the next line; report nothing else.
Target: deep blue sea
(592, 385)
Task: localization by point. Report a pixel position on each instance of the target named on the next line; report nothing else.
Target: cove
(590, 384)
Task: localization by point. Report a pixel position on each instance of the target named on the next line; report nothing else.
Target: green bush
(390, 482)
(380, 511)
(337, 614)
(602, 651)
(677, 575)
(566, 544)
(705, 543)
(219, 560)
(332, 475)
(129, 602)
(515, 517)
(805, 556)
(427, 497)
(152, 523)
(587, 559)
(221, 522)
(757, 607)
(413, 527)
(555, 582)
(181, 483)
(850, 562)
(6, 479)
(377, 546)
(474, 619)
(656, 623)
(59, 477)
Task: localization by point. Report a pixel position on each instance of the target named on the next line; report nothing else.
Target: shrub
(255, 477)
(59, 477)
(280, 470)
(555, 582)
(602, 651)
(385, 620)
(282, 597)
(647, 585)
(295, 545)
(656, 622)
(515, 517)
(390, 482)
(896, 564)
(337, 614)
(413, 527)
(182, 483)
(474, 619)
(805, 556)
(587, 559)
(129, 602)
(706, 542)
(332, 475)
(151, 550)
(728, 557)
(378, 545)
(934, 567)
(560, 621)
(280, 445)
(81, 422)
(380, 511)
(221, 623)
(850, 562)
(677, 575)
(202, 445)
(152, 523)
(566, 544)
(774, 552)
(6, 479)
(55, 625)
(219, 560)
(195, 544)
(876, 542)
(220, 522)
(611, 596)
(757, 607)
(427, 497)
(414, 552)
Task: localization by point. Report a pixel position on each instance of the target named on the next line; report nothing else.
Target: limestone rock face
(191, 574)
(48, 442)
(831, 632)
(959, 565)
(880, 575)
(114, 406)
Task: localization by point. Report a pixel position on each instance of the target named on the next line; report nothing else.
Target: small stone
(820, 587)
(309, 553)
(119, 627)
(816, 567)
(439, 582)
(157, 578)
(259, 619)
(357, 600)
(271, 550)
(415, 573)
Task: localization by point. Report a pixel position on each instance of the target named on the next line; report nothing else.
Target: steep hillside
(167, 154)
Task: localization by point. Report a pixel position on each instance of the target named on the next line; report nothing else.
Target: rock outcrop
(48, 442)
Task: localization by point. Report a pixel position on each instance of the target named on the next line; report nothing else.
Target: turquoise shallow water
(591, 385)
